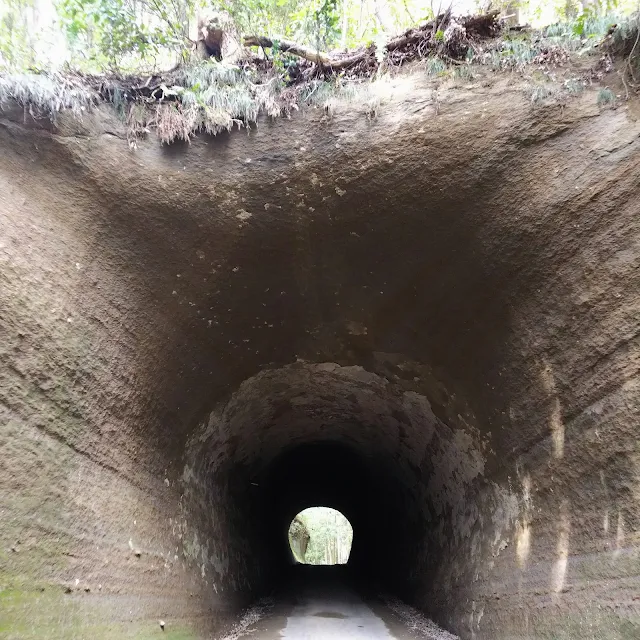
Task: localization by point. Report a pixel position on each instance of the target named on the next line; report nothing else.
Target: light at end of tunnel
(320, 536)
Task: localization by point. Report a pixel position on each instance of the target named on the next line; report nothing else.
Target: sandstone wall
(451, 293)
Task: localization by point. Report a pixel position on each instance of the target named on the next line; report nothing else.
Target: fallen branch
(479, 26)
(410, 37)
(317, 57)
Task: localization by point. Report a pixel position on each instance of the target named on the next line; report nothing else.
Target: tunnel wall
(451, 292)
(95, 534)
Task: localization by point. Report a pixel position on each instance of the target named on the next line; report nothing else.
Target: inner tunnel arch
(309, 434)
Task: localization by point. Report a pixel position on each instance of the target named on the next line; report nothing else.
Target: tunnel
(427, 320)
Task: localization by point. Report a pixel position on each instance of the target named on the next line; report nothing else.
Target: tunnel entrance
(320, 536)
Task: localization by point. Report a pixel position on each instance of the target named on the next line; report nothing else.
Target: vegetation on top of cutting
(122, 47)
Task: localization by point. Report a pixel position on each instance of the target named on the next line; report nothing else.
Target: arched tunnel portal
(428, 321)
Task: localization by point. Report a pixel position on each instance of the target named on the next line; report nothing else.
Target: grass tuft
(464, 72)
(606, 98)
(209, 96)
(435, 66)
(539, 93)
(574, 86)
(45, 95)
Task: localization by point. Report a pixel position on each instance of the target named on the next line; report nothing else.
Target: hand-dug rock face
(440, 306)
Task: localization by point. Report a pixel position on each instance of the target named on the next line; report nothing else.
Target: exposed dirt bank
(444, 300)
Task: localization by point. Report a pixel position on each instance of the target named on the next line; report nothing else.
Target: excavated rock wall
(450, 290)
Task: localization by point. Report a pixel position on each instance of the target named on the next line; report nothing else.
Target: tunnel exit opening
(320, 536)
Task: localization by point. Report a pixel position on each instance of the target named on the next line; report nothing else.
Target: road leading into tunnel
(321, 603)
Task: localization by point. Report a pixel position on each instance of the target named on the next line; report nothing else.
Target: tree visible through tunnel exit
(320, 535)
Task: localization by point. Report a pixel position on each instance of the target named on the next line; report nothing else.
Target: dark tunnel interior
(336, 475)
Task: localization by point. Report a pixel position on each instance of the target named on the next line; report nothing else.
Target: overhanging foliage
(213, 96)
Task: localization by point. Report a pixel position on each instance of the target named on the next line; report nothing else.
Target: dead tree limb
(482, 26)
(317, 57)
(406, 39)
